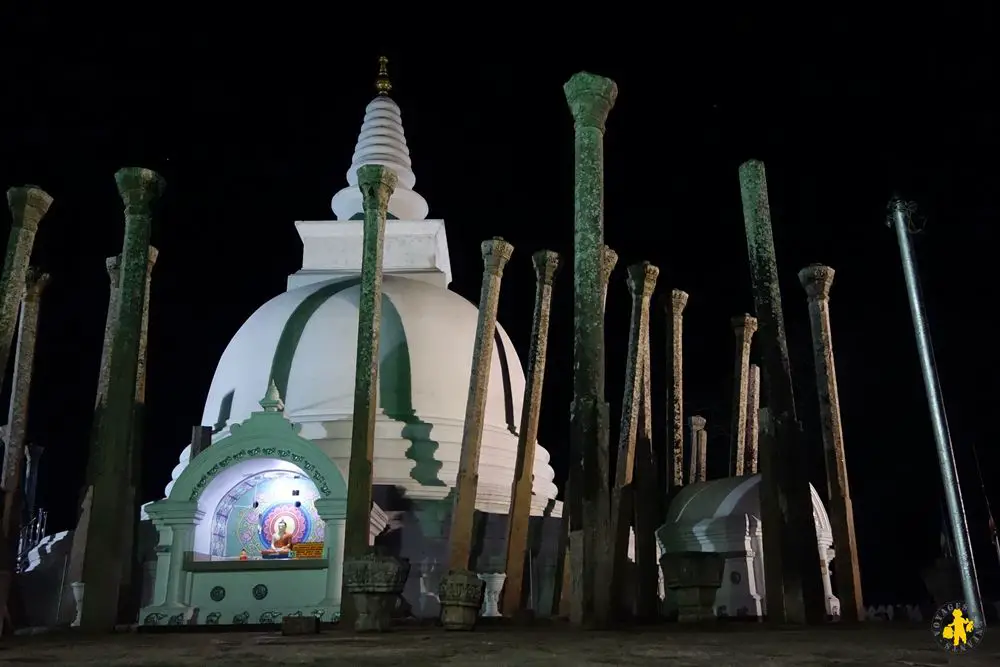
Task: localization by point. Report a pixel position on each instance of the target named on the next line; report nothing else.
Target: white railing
(31, 534)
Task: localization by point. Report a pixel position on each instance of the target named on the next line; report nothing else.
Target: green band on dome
(288, 343)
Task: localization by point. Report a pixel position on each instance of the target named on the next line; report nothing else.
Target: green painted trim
(288, 343)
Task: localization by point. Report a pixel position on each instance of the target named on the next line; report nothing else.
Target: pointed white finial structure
(382, 142)
(272, 400)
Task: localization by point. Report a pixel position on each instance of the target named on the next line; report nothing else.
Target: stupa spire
(382, 142)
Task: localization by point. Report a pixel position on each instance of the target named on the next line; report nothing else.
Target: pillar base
(695, 579)
(461, 596)
(375, 581)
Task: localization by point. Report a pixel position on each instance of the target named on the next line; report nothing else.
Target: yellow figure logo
(954, 629)
(958, 630)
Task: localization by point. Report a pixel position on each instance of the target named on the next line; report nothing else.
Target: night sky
(253, 133)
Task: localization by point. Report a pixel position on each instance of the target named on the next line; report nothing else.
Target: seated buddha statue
(281, 541)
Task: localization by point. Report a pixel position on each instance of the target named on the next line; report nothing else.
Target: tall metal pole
(900, 219)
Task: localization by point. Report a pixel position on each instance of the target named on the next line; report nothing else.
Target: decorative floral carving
(259, 592)
(217, 594)
(375, 573)
(462, 589)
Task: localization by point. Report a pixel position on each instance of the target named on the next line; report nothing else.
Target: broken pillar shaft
(641, 283)
(102, 567)
(786, 499)
(744, 327)
(496, 254)
(752, 437)
(519, 517)
(817, 280)
(377, 184)
(590, 100)
(696, 424)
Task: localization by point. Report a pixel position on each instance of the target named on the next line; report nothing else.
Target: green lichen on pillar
(28, 206)
(817, 281)
(590, 98)
(17, 417)
(496, 254)
(546, 266)
(377, 183)
(786, 499)
(102, 566)
(641, 283)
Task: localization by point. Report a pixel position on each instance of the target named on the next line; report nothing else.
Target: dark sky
(254, 130)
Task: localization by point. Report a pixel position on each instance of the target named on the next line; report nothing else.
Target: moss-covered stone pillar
(102, 564)
(786, 500)
(459, 601)
(28, 205)
(817, 280)
(675, 391)
(590, 99)
(752, 437)
(17, 417)
(744, 326)
(130, 601)
(377, 183)
(641, 283)
(546, 266)
(568, 575)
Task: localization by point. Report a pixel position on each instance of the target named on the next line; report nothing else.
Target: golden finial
(382, 83)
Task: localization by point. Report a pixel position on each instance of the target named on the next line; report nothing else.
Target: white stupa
(306, 339)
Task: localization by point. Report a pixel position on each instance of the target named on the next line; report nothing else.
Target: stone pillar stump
(695, 579)
(375, 582)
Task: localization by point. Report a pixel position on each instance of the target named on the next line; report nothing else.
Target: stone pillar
(702, 438)
(496, 254)
(458, 587)
(377, 183)
(753, 420)
(201, 439)
(28, 206)
(130, 594)
(546, 266)
(17, 417)
(590, 99)
(696, 424)
(333, 512)
(102, 566)
(744, 327)
(34, 453)
(817, 281)
(788, 523)
(648, 509)
(641, 283)
(675, 392)
(565, 576)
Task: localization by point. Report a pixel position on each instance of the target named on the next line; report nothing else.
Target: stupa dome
(306, 340)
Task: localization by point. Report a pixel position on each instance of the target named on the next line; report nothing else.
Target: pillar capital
(28, 205)
(678, 302)
(139, 188)
(698, 423)
(496, 254)
(642, 280)
(377, 183)
(609, 259)
(744, 325)
(817, 280)
(331, 509)
(546, 266)
(590, 98)
(35, 281)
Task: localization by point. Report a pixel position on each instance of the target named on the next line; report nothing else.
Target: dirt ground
(871, 644)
